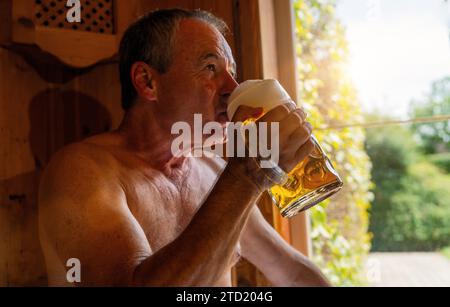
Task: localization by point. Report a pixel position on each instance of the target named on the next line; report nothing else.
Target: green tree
(391, 150)
(411, 207)
(339, 226)
(434, 137)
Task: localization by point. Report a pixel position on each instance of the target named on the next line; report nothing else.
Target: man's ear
(143, 78)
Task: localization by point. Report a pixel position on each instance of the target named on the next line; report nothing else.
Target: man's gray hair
(151, 39)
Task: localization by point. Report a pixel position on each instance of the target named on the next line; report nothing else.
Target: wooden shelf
(22, 23)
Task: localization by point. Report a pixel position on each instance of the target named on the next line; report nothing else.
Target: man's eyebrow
(208, 55)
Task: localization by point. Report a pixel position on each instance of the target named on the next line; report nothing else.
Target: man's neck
(149, 138)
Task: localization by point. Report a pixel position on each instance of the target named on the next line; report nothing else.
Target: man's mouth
(222, 117)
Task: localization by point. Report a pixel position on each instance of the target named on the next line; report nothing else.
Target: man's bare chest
(164, 207)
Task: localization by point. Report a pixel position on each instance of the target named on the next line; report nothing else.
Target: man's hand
(293, 139)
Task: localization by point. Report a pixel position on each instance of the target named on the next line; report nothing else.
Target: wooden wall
(37, 117)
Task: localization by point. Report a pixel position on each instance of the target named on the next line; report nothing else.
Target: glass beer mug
(314, 179)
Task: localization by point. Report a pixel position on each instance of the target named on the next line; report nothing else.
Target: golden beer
(310, 182)
(314, 179)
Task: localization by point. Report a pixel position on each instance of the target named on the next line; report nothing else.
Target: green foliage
(434, 137)
(391, 150)
(446, 252)
(340, 258)
(411, 208)
(339, 227)
(441, 160)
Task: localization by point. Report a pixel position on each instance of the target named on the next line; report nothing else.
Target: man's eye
(211, 67)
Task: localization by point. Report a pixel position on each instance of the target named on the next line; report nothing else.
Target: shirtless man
(134, 214)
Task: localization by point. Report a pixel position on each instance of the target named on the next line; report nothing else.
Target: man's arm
(278, 261)
(84, 214)
(203, 252)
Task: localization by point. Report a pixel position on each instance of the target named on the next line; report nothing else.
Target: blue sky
(397, 48)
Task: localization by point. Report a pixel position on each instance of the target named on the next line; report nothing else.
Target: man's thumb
(245, 112)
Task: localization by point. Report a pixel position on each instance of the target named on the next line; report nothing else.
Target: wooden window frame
(277, 23)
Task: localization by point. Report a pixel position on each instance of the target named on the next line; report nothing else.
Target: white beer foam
(257, 93)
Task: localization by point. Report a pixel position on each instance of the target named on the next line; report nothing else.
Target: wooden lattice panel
(96, 16)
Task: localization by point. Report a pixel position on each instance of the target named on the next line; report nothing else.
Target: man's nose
(229, 85)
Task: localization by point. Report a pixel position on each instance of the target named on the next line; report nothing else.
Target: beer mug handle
(274, 173)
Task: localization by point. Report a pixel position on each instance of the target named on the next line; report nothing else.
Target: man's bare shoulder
(81, 155)
(78, 169)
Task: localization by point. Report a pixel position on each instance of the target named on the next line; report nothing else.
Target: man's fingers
(292, 153)
(304, 151)
(276, 115)
(289, 164)
(294, 131)
(292, 122)
(300, 135)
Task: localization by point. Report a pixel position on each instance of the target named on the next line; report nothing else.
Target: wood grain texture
(37, 119)
(5, 21)
(248, 39)
(96, 16)
(76, 48)
(45, 26)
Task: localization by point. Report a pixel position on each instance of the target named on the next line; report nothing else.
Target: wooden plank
(269, 47)
(147, 6)
(281, 225)
(5, 21)
(34, 123)
(247, 39)
(21, 262)
(125, 12)
(299, 233)
(23, 9)
(285, 42)
(37, 119)
(76, 48)
(22, 22)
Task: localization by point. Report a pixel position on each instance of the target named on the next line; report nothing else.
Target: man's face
(200, 78)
